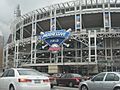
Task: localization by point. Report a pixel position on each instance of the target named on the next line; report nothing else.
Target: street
(64, 88)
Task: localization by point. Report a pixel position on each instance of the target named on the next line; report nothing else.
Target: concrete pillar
(53, 69)
(94, 69)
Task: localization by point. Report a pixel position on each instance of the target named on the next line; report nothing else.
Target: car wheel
(71, 84)
(117, 88)
(11, 87)
(84, 87)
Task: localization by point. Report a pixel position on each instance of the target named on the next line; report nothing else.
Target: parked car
(23, 79)
(69, 79)
(102, 81)
(51, 79)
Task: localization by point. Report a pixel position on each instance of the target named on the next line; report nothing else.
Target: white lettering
(53, 34)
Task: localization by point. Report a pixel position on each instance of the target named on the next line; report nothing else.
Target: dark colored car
(69, 79)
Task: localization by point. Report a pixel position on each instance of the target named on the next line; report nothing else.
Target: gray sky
(7, 8)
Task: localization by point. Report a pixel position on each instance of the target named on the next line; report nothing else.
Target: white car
(23, 79)
(102, 81)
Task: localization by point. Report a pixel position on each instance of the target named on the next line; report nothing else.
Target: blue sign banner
(52, 41)
(55, 37)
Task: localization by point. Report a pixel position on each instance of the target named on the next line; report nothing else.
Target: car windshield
(29, 72)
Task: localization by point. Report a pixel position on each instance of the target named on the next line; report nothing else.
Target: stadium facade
(94, 45)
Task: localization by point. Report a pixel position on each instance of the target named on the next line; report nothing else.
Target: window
(64, 76)
(111, 77)
(5, 74)
(69, 76)
(76, 75)
(29, 72)
(99, 77)
(10, 73)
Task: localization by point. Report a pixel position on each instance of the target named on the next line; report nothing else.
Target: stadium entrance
(81, 69)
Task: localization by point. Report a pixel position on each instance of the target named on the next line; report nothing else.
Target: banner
(55, 38)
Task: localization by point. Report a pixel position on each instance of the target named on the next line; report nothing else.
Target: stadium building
(94, 44)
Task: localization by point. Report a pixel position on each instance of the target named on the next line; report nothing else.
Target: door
(63, 79)
(2, 80)
(10, 78)
(7, 79)
(97, 82)
(69, 79)
(110, 81)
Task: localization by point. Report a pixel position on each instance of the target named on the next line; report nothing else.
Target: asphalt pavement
(64, 88)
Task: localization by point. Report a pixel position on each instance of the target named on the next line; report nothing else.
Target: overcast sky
(7, 8)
